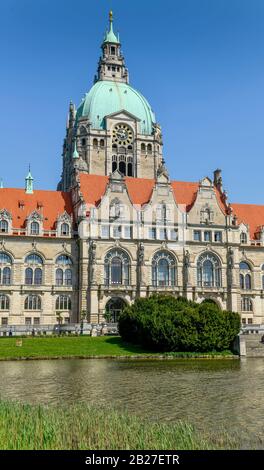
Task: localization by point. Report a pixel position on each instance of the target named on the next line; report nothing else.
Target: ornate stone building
(117, 228)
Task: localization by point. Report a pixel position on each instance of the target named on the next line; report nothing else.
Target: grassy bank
(83, 427)
(81, 346)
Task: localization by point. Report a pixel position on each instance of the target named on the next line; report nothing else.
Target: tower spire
(29, 182)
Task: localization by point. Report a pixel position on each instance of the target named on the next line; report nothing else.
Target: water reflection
(210, 394)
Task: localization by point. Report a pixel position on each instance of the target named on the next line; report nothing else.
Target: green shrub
(165, 323)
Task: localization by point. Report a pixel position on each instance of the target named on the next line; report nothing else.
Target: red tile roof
(139, 189)
(53, 204)
(250, 214)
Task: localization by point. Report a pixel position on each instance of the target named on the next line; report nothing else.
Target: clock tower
(114, 127)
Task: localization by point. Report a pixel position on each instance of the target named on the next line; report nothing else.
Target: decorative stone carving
(230, 267)
(162, 171)
(206, 214)
(157, 133)
(35, 216)
(5, 215)
(141, 250)
(65, 217)
(2, 244)
(92, 259)
(186, 267)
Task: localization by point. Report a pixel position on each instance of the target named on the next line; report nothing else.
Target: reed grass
(84, 427)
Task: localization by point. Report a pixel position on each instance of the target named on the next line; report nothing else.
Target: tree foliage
(164, 323)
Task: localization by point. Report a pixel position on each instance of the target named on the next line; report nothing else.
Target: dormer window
(65, 230)
(3, 226)
(34, 228)
(243, 237)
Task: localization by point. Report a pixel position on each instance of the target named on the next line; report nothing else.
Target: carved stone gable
(5, 215)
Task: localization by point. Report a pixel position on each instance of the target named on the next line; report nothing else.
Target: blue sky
(200, 63)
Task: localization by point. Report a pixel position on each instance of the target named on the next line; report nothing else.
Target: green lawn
(81, 426)
(83, 346)
(68, 346)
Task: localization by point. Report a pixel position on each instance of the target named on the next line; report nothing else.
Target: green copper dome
(107, 97)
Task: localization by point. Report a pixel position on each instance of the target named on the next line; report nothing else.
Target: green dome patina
(108, 97)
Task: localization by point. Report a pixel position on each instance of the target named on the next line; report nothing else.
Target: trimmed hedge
(165, 323)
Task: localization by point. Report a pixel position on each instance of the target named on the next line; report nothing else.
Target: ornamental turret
(111, 65)
(29, 183)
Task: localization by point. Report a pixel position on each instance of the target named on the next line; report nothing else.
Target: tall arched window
(68, 277)
(38, 276)
(3, 226)
(5, 269)
(64, 271)
(149, 149)
(33, 273)
(34, 228)
(29, 276)
(63, 302)
(116, 268)
(59, 277)
(4, 302)
(208, 271)
(163, 269)
(244, 275)
(33, 302)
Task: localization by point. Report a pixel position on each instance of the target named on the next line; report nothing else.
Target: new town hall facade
(118, 228)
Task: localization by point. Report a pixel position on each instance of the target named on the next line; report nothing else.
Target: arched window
(29, 276)
(129, 169)
(246, 304)
(68, 277)
(64, 271)
(33, 273)
(143, 148)
(63, 302)
(6, 276)
(3, 226)
(65, 230)
(4, 302)
(5, 258)
(95, 143)
(33, 259)
(34, 228)
(116, 268)
(38, 276)
(208, 271)
(163, 270)
(243, 237)
(5, 269)
(149, 149)
(59, 277)
(122, 168)
(64, 260)
(113, 309)
(102, 143)
(33, 302)
(245, 275)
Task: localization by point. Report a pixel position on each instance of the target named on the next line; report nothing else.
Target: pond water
(214, 395)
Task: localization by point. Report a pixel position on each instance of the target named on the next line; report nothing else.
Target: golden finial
(110, 16)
